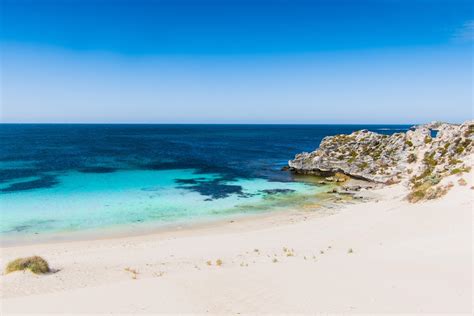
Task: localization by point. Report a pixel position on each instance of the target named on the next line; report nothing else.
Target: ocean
(58, 181)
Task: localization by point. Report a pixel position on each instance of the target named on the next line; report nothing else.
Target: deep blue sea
(56, 180)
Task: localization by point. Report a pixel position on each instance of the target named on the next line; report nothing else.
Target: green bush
(429, 160)
(456, 171)
(416, 196)
(460, 170)
(411, 158)
(459, 149)
(35, 264)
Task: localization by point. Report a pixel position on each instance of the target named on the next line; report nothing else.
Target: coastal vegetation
(34, 264)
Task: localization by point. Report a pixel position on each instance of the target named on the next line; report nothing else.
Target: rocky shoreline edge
(420, 159)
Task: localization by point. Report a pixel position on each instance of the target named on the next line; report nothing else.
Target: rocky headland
(420, 158)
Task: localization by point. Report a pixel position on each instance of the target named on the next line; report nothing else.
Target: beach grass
(34, 264)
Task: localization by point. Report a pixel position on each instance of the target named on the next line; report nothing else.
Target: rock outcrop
(414, 156)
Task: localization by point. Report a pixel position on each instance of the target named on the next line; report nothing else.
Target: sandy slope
(406, 258)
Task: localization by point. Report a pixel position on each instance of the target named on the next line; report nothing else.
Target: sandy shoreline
(382, 256)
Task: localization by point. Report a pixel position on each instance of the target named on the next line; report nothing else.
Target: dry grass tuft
(289, 252)
(436, 193)
(133, 272)
(427, 192)
(34, 264)
(161, 273)
(350, 250)
(219, 262)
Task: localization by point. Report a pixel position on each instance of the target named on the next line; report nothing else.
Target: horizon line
(161, 123)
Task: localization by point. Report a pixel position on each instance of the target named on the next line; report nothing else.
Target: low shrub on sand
(35, 264)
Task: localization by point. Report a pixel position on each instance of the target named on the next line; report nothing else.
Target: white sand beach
(241, 157)
(382, 256)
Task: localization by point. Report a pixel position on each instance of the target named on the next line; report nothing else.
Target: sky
(184, 61)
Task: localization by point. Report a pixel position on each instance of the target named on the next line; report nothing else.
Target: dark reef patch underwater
(74, 177)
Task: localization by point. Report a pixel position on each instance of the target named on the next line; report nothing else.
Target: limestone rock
(390, 158)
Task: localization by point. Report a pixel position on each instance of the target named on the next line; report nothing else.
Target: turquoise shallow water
(91, 201)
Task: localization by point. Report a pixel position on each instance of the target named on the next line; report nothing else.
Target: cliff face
(414, 155)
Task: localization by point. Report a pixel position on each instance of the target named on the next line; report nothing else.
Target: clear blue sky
(383, 61)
